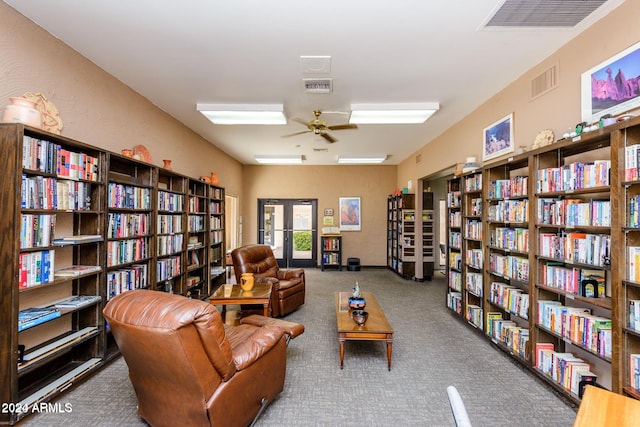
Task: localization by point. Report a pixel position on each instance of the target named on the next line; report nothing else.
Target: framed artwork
(328, 212)
(497, 139)
(611, 86)
(350, 214)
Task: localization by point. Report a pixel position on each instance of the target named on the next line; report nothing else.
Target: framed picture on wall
(350, 219)
(610, 87)
(497, 139)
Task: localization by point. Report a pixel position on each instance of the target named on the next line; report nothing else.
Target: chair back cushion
(256, 259)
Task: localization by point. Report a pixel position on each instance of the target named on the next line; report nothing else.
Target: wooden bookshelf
(402, 235)
(453, 253)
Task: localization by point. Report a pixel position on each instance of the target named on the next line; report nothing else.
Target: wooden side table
(229, 294)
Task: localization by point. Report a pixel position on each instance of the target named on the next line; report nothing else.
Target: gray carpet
(431, 351)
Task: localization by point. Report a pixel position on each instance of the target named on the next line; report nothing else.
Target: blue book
(30, 317)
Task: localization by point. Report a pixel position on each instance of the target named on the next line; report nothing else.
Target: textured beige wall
(372, 184)
(558, 110)
(95, 107)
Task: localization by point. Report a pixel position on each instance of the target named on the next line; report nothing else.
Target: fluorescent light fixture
(279, 160)
(355, 160)
(244, 114)
(411, 113)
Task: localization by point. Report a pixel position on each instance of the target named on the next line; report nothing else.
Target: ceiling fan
(319, 127)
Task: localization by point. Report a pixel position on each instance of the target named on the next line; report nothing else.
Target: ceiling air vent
(318, 85)
(543, 13)
(543, 83)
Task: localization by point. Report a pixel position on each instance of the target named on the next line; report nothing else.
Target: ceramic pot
(22, 110)
(127, 153)
(214, 178)
(167, 164)
(246, 281)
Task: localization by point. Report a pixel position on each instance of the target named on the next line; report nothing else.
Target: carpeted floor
(431, 350)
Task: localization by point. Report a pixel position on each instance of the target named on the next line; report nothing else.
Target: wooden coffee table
(233, 294)
(377, 327)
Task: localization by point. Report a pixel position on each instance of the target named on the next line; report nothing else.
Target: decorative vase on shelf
(127, 153)
(214, 179)
(167, 164)
(22, 110)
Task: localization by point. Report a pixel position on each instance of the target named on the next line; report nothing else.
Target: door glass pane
(274, 228)
(302, 227)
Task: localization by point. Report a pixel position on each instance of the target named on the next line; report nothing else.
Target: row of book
(36, 231)
(127, 225)
(517, 186)
(454, 301)
(454, 199)
(473, 258)
(574, 280)
(170, 244)
(574, 212)
(455, 280)
(331, 244)
(455, 239)
(509, 333)
(196, 223)
(573, 176)
(126, 279)
(578, 325)
(633, 203)
(567, 370)
(509, 266)
(170, 202)
(124, 251)
(511, 298)
(167, 268)
(128, 196)
(475, 208)
(509, 211)
(631, 163)
(330, 258)
(215, 207)
(473, 229)
(169, 224)
(634, 371)
(217, 236)
(633, 263)
(455, 260)
(39, 192)
(634, 314)
(48, 157)
(215, 223)
(455, 219)
(583, 248)
(36, 268)
(473, 283)
(196, 204)
(511, 239)
(474, 315)
(473, 183)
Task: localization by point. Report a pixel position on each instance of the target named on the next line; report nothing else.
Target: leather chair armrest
(256, 345)
(291, 273)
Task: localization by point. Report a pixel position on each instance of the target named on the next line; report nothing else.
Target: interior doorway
(289, 226)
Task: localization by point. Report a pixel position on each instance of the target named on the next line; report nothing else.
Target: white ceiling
(181, 53)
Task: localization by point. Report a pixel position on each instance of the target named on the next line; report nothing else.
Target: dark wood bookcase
(81, 221)
(331, 252)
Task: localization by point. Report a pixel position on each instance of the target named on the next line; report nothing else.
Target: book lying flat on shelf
(78, 301)
(33, 316)
(86, 238)
(76, 270)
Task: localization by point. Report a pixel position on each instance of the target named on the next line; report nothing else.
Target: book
(70, 240)
(78, 301)
(30, 317)
(76, 270)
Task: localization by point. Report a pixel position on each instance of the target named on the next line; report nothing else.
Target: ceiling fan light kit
(411, 113)
(243, 114)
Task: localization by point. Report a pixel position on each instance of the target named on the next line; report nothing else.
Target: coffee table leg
(341, 353)
(389, 351)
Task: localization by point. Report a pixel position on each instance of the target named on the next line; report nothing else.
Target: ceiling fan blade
(330, 139)
(344, 126)
(294, 134)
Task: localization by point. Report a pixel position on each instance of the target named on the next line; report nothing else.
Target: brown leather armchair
(287, 284)
(188, 368)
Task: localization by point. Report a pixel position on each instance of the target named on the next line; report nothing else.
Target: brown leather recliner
(187, 367)
(288, 285)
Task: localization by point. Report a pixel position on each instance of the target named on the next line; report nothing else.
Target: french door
(289, 226)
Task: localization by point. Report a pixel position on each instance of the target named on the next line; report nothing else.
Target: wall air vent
(418, 158)
(318, 85)
(544, 82)
(542, 13)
